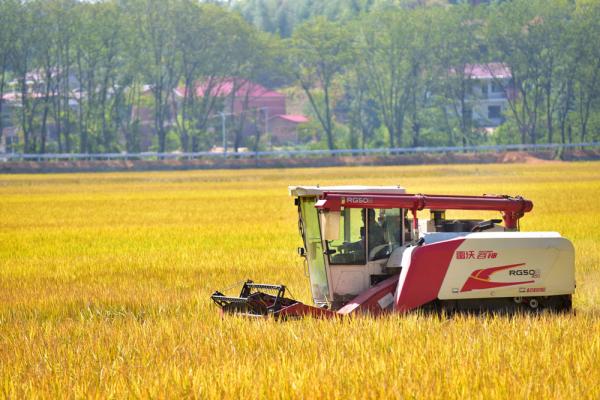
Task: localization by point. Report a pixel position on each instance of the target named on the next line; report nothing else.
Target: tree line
(373, 73)
(93, 64)
(410, 68)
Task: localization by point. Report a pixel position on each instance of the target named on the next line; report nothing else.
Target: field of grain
(105, 282)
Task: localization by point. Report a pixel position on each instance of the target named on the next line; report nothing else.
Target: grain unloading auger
(367, 251)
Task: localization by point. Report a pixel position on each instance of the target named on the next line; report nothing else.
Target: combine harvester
(366, 251)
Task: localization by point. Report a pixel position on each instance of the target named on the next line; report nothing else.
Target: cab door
(346, 256)
(309, 224)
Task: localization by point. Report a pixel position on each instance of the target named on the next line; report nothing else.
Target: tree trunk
(57, 117)
(564, 111)
(320, 117)
(257, 132)
(2, 82)
(161, 140)
(43, 129)
(399, 127)
(106, 137)
(549, 113)
(89, 121)
(66, 108)
(463, 109)
(389, 124)
(158, 115)
(187, 99)
(329, 127)
(83, 138)
(416, 126)
(585, 112)
(24, 107)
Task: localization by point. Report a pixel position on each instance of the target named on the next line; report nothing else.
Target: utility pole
(223, 133)
(224, 130)
(267, 128)
(266, 112)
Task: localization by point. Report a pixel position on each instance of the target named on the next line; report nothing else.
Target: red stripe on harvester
(428, 266)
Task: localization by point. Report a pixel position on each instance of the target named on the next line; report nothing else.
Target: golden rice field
(105, 282)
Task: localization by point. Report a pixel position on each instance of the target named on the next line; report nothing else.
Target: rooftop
(488, 71)
(296, 118)
(225, 88)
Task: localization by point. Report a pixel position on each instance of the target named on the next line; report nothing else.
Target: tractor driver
(353, 252)
(376, 232)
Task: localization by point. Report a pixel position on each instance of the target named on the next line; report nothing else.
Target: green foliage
(507, 133)
(320, 51)
(115, 74)
(284, 16)
(172, 141)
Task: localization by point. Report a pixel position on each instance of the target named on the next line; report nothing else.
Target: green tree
(386, 60)
(23, 52)
(211, 45)
(319, 53)
(61, 18)
(458, 42)
(517, 35)
(8, 9)
(159, 58)
(586, 26)
(97, 49)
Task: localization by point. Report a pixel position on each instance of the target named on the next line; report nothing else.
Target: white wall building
(492, 89)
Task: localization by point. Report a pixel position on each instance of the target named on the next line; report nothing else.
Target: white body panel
(353, 279)
(405, 263)
(510, 264)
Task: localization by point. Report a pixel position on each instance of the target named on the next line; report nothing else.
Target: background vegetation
(105, 282)
(375, 73)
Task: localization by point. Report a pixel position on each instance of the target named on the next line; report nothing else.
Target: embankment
(295, 162)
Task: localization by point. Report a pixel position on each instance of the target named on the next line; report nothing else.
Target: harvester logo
(476, 255)
(358, 200)
(482, 278)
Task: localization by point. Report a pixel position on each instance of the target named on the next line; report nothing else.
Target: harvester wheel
(533, 303)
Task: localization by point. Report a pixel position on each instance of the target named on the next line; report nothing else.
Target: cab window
(349, 248)
(385, 232)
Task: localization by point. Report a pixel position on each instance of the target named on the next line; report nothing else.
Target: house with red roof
(243, 96)
(11, 104)
(284, 127)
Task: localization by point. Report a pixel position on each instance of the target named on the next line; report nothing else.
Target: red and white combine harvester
(367, 251)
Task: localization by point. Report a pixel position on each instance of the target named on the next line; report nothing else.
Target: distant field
(105, 282)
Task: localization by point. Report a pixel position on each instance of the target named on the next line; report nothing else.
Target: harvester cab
(366, 250)
(347, 250)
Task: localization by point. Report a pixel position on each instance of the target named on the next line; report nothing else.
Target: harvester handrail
(512, 208)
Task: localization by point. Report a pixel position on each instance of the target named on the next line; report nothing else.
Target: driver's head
(368, 212)
(371, 214)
